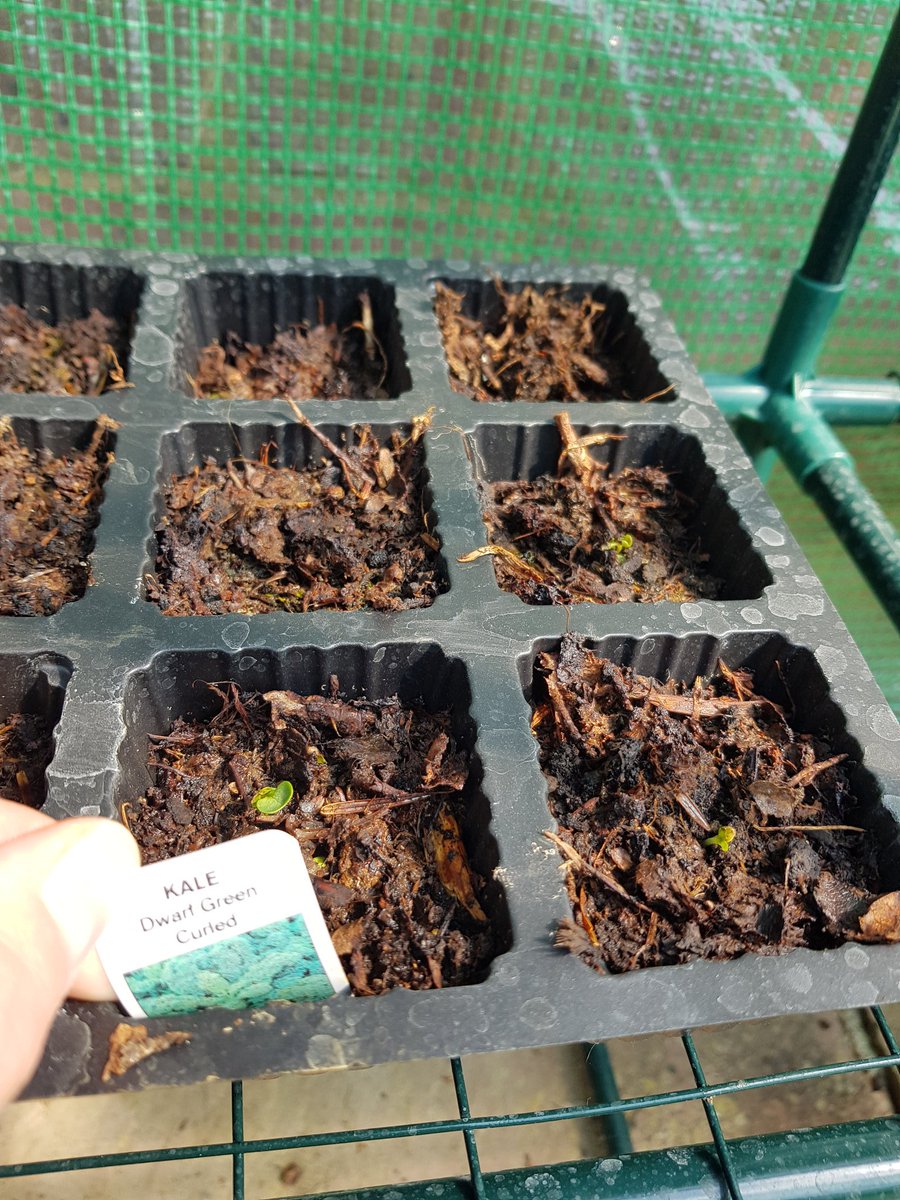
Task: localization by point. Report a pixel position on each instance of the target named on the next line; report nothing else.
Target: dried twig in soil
(636, 784)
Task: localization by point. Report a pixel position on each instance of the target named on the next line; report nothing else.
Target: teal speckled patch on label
(276, 962)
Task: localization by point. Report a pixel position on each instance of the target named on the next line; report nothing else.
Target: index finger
(17, 819)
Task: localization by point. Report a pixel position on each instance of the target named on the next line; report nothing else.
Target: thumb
(57, 885)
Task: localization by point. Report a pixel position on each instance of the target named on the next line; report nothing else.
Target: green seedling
(271, 800)
(722, 839)
(620, 545)
(320, 860)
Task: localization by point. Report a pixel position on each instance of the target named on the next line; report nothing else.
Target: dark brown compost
(75, 357)
(302, 362)
(26, 748)
(694, 822)
(349, 532)
(379, 796)
(543, 344)
(49, 508)
(585, 535)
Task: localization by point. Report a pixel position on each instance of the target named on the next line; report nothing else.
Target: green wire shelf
(859, 1159)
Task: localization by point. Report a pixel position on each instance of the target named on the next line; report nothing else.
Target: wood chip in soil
(26, 748)
(584, 535)
(302, 362)
(49, 508)
(129, 1045)
(349, 532)
(379, 808)
(75, 357)
(543, 345)
(694, 822)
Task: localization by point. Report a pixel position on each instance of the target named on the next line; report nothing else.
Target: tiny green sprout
(319, 860)
(722, 839)
(271, 800)
(620, 545)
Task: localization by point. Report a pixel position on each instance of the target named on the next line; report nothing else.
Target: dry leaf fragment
(452, 863)
(775, 799)
(509, 557)
(434, 757)
(385, 468)
(685, 706)
(881, 922)
(129, 1045)
(808, 774)
(422, 423)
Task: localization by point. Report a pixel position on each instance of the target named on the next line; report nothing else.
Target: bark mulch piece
(26, 748)
(378, 799)
(583, 535)
(543, 345)
(49, 508)
(303, 362)
(695, 822)
(130, 1045)
(347, 533)
(74, 358)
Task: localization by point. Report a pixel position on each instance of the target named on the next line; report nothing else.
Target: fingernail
(84, 883)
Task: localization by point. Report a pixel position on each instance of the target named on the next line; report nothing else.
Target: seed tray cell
(288, 445)
(783, 672)
(133, 670)
(61, 439)
(634, 371)
(63, 291)
(418, 673)
(514, 452)
(34, 685)
(256, 306)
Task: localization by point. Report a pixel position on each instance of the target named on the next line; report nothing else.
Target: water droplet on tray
(235, 634)
(770, 536)
(152, 347)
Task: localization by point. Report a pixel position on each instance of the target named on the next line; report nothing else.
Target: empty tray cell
(306, 337)
(266, 518)
(376, 752)
(31, 699)
(51, 485)
(65, 329)
(636, 516)
(709, 801)
(545, 342)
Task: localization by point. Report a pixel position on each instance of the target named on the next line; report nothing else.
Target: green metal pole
(832, 1163)
(839, 401)
(862, 526)
(606, 1089)
(819, 462)
(815, 290)
(815, 456)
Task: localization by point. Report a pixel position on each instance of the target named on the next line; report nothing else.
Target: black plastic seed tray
(112, 668)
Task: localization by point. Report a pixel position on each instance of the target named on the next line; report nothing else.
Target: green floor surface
(877, 455)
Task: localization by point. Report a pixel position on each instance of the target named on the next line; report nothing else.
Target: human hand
(58, 881)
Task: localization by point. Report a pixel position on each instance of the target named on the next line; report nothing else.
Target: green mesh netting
(692, 138)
